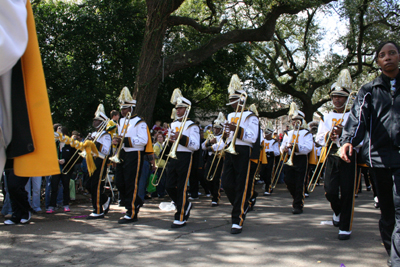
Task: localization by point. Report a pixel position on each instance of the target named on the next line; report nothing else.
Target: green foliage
(89, 51)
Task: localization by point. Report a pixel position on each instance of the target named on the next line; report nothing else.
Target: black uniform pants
(215, 184)
(294, 179)
(18, 196)
(266, 172)
(387, 183)
(237, 183)
(178, 172)
(97, 186)
(340, 176)
(127, 178)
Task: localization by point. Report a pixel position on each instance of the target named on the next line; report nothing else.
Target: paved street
(271, 236)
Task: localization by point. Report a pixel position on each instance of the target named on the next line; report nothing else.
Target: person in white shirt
(236, 179)
(301, 141)
(178, 170)
(272, 151)
(102, 140)
(135, 137)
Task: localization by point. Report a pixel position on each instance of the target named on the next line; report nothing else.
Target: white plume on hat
(296, 114)
(220, 120)
(343, 84)
(125, 98)
(100, 113)
(178, 100)
(253, 109)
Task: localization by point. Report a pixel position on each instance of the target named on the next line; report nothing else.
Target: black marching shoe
(94, 216)
(235, 231)
(297, 211)
(178, 225)
(126, 219)
(344, 235)
(214, 204)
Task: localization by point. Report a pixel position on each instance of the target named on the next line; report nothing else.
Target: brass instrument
(116, 158)
(172, 153)
(231, 148)
(220, 154)
(83, 153)
(278, 171)
(289, 162)
(326, 150)
(165, 143)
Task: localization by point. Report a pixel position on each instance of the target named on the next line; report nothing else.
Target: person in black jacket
(375, 118)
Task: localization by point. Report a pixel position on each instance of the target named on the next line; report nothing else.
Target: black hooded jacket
(375, 118)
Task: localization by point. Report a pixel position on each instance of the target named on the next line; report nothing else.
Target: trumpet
(327, 149)
(172, 153)
(231, 148)
(116, 158)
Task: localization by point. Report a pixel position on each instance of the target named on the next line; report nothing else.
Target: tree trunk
(149, 73)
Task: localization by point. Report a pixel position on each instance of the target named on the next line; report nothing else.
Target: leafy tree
(221, 23)
(90, 51)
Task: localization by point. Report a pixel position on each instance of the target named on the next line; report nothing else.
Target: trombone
(231, 148)
(116, 158)
(326, 150)
(172, 153)
(289, 162)
(83, 153)
(219, 153)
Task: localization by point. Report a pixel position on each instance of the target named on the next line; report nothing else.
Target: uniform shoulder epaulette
(191, 124)
(308, 132)
(139, 121)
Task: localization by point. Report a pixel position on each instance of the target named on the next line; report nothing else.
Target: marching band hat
(218, 123)
(100, 114)
(313, 124)
(178, 100)
(342, 87)
(235, 88)
(268, 131)
(125, 99)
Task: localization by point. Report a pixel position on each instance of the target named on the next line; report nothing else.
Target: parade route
(272, 236)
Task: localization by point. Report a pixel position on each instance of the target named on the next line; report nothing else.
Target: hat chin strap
(231, 103)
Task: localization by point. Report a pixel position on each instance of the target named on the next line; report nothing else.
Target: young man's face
(233, 105)
(388, 58)
(217, 130)
(125, 111)
(96, 123)
(338, 100)
(180, 111)
(296, 122)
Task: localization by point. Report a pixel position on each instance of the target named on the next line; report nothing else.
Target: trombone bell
(115, 159)
(172, 154)
(289, 162)
(231, 149)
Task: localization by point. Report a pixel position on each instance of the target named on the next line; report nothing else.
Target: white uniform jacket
(304, 141)
(136, 134)
(272, 146)
(325, 126)
(103, 143)
(248, 130)
(190, 138)
(218, 146)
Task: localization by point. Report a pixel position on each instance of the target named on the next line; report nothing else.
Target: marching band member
(100, 201)
(272, 151)
(178, 170)
(258, 159)
(214, 147)
(301, 141)
(236, 180)
(339, 175)
(134, 137)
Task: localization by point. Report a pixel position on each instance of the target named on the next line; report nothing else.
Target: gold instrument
(231, 148)
(116, 158)
(83, 153)
(165, 143)
(218, 153)
(289, 162)
(278, 171)
(327, 149)
(172, 153)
